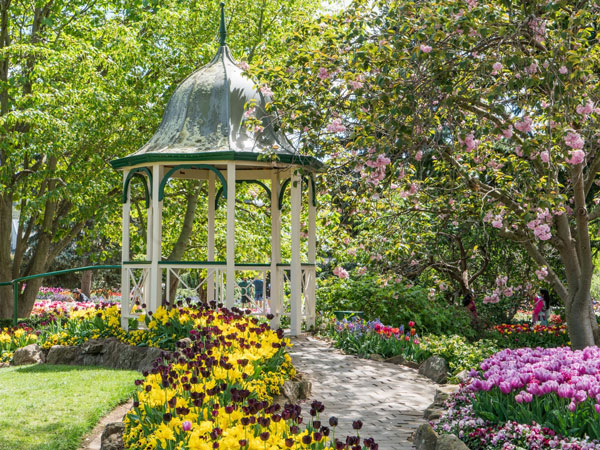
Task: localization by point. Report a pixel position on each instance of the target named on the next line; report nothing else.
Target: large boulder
(450, 442)
(105, 352)
(294, 390)
(435, 368)
(112, 437)
(30, 354)
(65, 354)
(425, 437)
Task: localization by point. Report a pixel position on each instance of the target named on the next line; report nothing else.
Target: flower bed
(365, 338)
(533, 398)
(218, 394)
(526, 335)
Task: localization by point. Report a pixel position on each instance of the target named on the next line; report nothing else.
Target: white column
(230, 269)
(125, 306)
(310, 293)
(210, 245)
(155, 275)
(295, 263)
(275, 300)
(149, 234)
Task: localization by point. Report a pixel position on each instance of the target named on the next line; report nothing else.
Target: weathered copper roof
(204, 120)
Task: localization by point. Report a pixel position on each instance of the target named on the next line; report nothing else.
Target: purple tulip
(504, 387)
(186, 425)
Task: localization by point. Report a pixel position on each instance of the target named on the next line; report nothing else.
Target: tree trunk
(6, 296)
(86, 282)
(578, 320)
(184, 236)
(28, 296)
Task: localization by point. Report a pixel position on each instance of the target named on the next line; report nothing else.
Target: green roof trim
(304, 178)
(134, 160)
(258, 182)
(138, 173)
(161, 188)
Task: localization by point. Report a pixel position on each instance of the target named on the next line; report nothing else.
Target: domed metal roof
(205, 120)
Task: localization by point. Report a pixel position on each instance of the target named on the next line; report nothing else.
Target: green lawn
(52, 407)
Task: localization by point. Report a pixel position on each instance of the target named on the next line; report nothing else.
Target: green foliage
(460, 353)
(52, 407)
(394, 304)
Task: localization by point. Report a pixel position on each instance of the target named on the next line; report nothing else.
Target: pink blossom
(336, 126)
(545, 156)
(266, 90)
(419, 155)
(470, 142)
(249, 112)
(542, 273)
(576, 157)
(244, 65)
(563, 70)
(533, 68)
(574, 140)
(425, 48)
(586, 109)
(508, 132)
(471, 4)
(340, 272)
(525, 125)
(323, 73)
(497, 68)
(355, 84)
(351, 251)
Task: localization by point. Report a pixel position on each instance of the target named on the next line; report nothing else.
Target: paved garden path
(388, 398)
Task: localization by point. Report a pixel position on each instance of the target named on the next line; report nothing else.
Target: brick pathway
(389, 399)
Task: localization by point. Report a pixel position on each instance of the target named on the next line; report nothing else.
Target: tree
(499, 95)
(82, 83)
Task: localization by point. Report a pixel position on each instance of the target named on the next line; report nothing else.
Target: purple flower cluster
(572, 375)
(461, 420)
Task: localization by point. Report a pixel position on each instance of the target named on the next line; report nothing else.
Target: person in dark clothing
(469, 303)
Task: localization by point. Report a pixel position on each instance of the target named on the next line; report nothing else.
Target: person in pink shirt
(541, 308)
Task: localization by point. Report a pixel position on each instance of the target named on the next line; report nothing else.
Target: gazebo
(205, 135)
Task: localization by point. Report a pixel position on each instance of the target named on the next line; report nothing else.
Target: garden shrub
(460, 353)
(394, 304)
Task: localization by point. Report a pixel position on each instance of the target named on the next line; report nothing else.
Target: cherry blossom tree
(491, 104)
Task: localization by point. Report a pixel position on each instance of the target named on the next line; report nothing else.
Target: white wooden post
(230, 269)
(155, 276)
(149, 234)
(275, 300)
(210, 245)
(311, 291)
(125, 306)
(295, 263)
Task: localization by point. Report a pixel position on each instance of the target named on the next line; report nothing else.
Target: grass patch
(45, 407)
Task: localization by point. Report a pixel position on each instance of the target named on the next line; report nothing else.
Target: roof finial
(222, 29)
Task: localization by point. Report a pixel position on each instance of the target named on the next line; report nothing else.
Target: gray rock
(30, 354)
(433, 413)
(450, 442)
(294, 390)
(376, 357)
(399, 359)
(425, 437)
(112, 437)
(105, 352)
(435, 368)
(440, 397)
(64, 354)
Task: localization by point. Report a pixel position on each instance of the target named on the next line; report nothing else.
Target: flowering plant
(557, 388)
